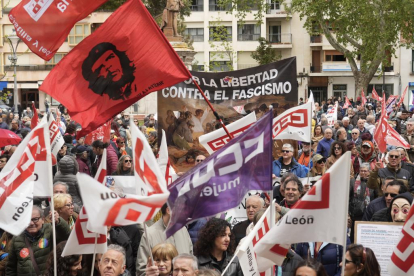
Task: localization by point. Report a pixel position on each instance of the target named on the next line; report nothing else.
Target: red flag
(121, 62)
(380, 133)
(363, 99)
(402, 97)
(347, 103)
(102, 133)
(35, 118)
(375, 95)
(35, 22)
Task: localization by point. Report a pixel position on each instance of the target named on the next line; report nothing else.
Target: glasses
(321, 161)
(394, 156)
(354, 133)
(69, 205)
(348, 261)
(35, 220)
(286, 151)
(121, 143)
(127, 161)
(199, 160)
(390, 194)
(337, 148)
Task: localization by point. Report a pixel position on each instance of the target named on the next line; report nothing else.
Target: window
(197, 67)
(221, 66)
(78, 33)
(220, 33)
(334, 56)
(197, 34)
(216, 5)
(56, 58)
(248, 32)
(274, 4)
(275, 34)
(389, 89)
(197, 5)
(339, 90)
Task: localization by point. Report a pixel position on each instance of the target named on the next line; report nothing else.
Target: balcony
(283, 40)
(43, 67)
(248, 37)
(197, 8)
(277, 9)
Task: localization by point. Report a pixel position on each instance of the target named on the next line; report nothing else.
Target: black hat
(81, 149)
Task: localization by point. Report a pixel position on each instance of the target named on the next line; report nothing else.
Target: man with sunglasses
(355, 137)
(287, 164)
(393, 169)
(30, 250)
(391, 188)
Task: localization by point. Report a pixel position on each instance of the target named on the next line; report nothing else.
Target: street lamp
(14, 41)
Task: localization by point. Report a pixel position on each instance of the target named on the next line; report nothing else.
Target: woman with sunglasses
(124, 166)
(318, 166)
(360, 261)
(64, 206)
(337, 150)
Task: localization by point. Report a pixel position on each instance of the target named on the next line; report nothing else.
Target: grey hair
(208, 272)
(188, 257)
(345, 119)
(257, 197)
(370, 119)
(63, 184)
(365, 166)
(120, 249)
(41, 213)
(288, 146)
(324, 121)
(153, 134)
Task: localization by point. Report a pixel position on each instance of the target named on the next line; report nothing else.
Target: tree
(221, 43)
(264, 53)
(366, 32)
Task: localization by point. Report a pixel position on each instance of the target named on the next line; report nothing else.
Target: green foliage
(221, 43)
(264, 53)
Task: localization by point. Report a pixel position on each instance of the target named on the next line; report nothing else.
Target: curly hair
(64, 264)
(212, 229)
(340, 144)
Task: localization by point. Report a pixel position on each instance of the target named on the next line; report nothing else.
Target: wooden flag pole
(94, 254)
(214, 111)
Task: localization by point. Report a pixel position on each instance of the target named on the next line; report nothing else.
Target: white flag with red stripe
(249, 261)
(217, 139)
(56, 138)
(295, 123)
(18, 182)
(320, 215)
(332, 115)
(402, 259)
(164, 161)
(363, 98)
(82, 241)
(101, 172)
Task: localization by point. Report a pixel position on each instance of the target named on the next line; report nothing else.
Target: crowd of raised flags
(215, 185)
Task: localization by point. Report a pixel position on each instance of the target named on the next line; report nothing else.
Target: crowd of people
(379, 190)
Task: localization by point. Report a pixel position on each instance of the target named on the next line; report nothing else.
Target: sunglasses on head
(128, 161)
(390, 194)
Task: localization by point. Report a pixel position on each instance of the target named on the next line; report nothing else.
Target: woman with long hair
(124, 166)
(69, 265)
(163, 254)
(215, 248)
(317, 136)
(350, 146)
(337, 150)
(360, 261)
(310, 268)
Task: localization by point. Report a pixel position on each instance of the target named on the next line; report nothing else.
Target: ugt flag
(402, 259)
(295, 123)
(221, 181)
(35, 22)
(17, 181)
(320, 215)
(121, 62)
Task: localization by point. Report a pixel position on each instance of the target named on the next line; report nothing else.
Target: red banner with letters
(35, 22)
(102, 133)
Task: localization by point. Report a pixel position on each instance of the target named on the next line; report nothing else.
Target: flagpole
(348, 168)
(52, 208)
(94, 253)
(214, 111)
(149, 247)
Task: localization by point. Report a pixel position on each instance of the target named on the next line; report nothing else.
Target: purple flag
(221, 181)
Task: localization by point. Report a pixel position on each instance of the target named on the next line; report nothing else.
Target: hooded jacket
(68, 168)
(385, 214)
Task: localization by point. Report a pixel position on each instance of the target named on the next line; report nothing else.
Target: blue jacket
(330, 255)
(297, 169)
(324, 147)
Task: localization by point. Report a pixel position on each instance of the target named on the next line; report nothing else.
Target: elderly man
(341, 135)
(348, 127)
(113, 262)
(393, 169)
(324, 145)
(253, 204)
(287, 163)
(156, 234)
(361, 127)
(30, 250)
(185, 264)
(355, 137)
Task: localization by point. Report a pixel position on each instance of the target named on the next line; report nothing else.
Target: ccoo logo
(36, 8)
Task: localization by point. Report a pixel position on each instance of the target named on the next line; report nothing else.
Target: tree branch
(352, 41)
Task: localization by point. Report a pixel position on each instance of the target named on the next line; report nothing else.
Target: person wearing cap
(318, 167)
(393, 169)
(82, 159)
(305, 154)
(397, 210)
(409, 137)
(367, 154)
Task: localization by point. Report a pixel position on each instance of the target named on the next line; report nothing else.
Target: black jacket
(233, 270)
(119, 236)
(239, 230)
(382, 215)
(375, 205)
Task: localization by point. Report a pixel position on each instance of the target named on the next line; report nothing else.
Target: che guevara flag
(121, 62)
(43, 25)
